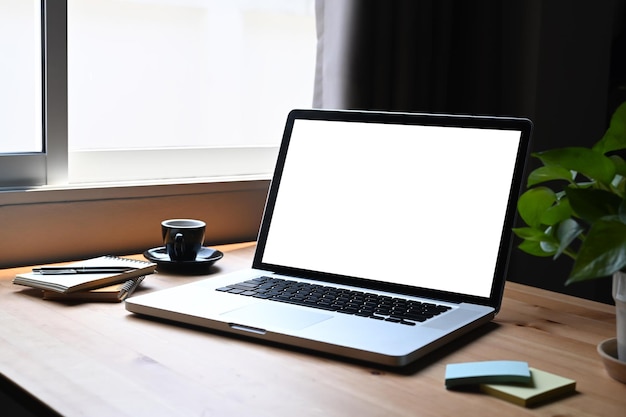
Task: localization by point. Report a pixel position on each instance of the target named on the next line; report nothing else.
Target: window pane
(20, 77)
(186, 73)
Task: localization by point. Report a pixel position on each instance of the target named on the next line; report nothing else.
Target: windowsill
(52, 224)
(146, 164)
(128, 189)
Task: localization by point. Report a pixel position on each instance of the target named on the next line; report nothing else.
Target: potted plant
(575, 206)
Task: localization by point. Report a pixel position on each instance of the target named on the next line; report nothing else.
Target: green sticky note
(458, 374)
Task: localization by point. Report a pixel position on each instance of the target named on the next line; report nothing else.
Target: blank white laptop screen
(435, 197)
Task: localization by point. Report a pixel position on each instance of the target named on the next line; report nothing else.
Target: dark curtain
(438, 56)
(549, 61)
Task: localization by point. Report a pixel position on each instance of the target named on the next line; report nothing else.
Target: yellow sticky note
(544, 386)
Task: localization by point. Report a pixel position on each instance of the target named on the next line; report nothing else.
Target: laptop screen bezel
(523, 125)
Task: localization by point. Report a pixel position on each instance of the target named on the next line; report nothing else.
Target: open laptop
(395, 228)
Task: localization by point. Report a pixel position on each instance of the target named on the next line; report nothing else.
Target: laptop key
(416, 317)
(301, 303)
(393, 310)
(394, 319)
(262, 296)
(243, 286)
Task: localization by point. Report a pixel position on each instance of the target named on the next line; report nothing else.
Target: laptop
(384, 236)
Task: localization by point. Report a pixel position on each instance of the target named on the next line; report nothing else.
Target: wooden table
(97, 359)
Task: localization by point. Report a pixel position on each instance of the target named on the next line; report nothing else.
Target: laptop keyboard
(373, 306)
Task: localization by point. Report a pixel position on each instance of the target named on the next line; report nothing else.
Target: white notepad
(65, 283)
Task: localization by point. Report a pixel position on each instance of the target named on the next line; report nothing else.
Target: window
(142, 90)
(21, 75)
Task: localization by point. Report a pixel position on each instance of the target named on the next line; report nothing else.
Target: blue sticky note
(487, 372)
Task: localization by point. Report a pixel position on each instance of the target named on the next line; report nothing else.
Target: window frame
(48, 167)
(32, 169)
(55, 92)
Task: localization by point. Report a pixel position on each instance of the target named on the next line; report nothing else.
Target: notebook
(114, 293)
(66, 281)
(403, 210)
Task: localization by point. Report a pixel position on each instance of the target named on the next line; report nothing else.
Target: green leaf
(591, 204)
(548, 247)
(536, 235)
(593, 165)
(617, 186)
(621, 212)
(534, 248)
(557, 213)
(566, 233)
(620, 164)
(537, 242)
(529, 233)
(603, 252)
(533, 204)
(615, 136)
(549, 173)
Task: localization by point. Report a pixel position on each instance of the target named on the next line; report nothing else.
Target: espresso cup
(183, 238)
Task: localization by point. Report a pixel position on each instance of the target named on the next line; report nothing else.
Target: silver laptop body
(414, 208)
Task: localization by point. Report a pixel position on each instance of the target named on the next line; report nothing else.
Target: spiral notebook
(67, 283)
(114, 293)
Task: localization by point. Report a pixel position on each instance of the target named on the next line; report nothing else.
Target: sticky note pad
(544, 386)
(485, 372)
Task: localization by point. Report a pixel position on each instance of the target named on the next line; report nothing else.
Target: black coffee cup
(183, 238)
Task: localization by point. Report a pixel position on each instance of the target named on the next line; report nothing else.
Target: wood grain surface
(96, 359)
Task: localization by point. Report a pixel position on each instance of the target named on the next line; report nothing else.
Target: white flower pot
(613, 351)
(619, 295)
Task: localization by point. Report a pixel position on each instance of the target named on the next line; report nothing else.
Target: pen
(61, 270)
(129, 287)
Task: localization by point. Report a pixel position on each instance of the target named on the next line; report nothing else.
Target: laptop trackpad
(269, 316)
